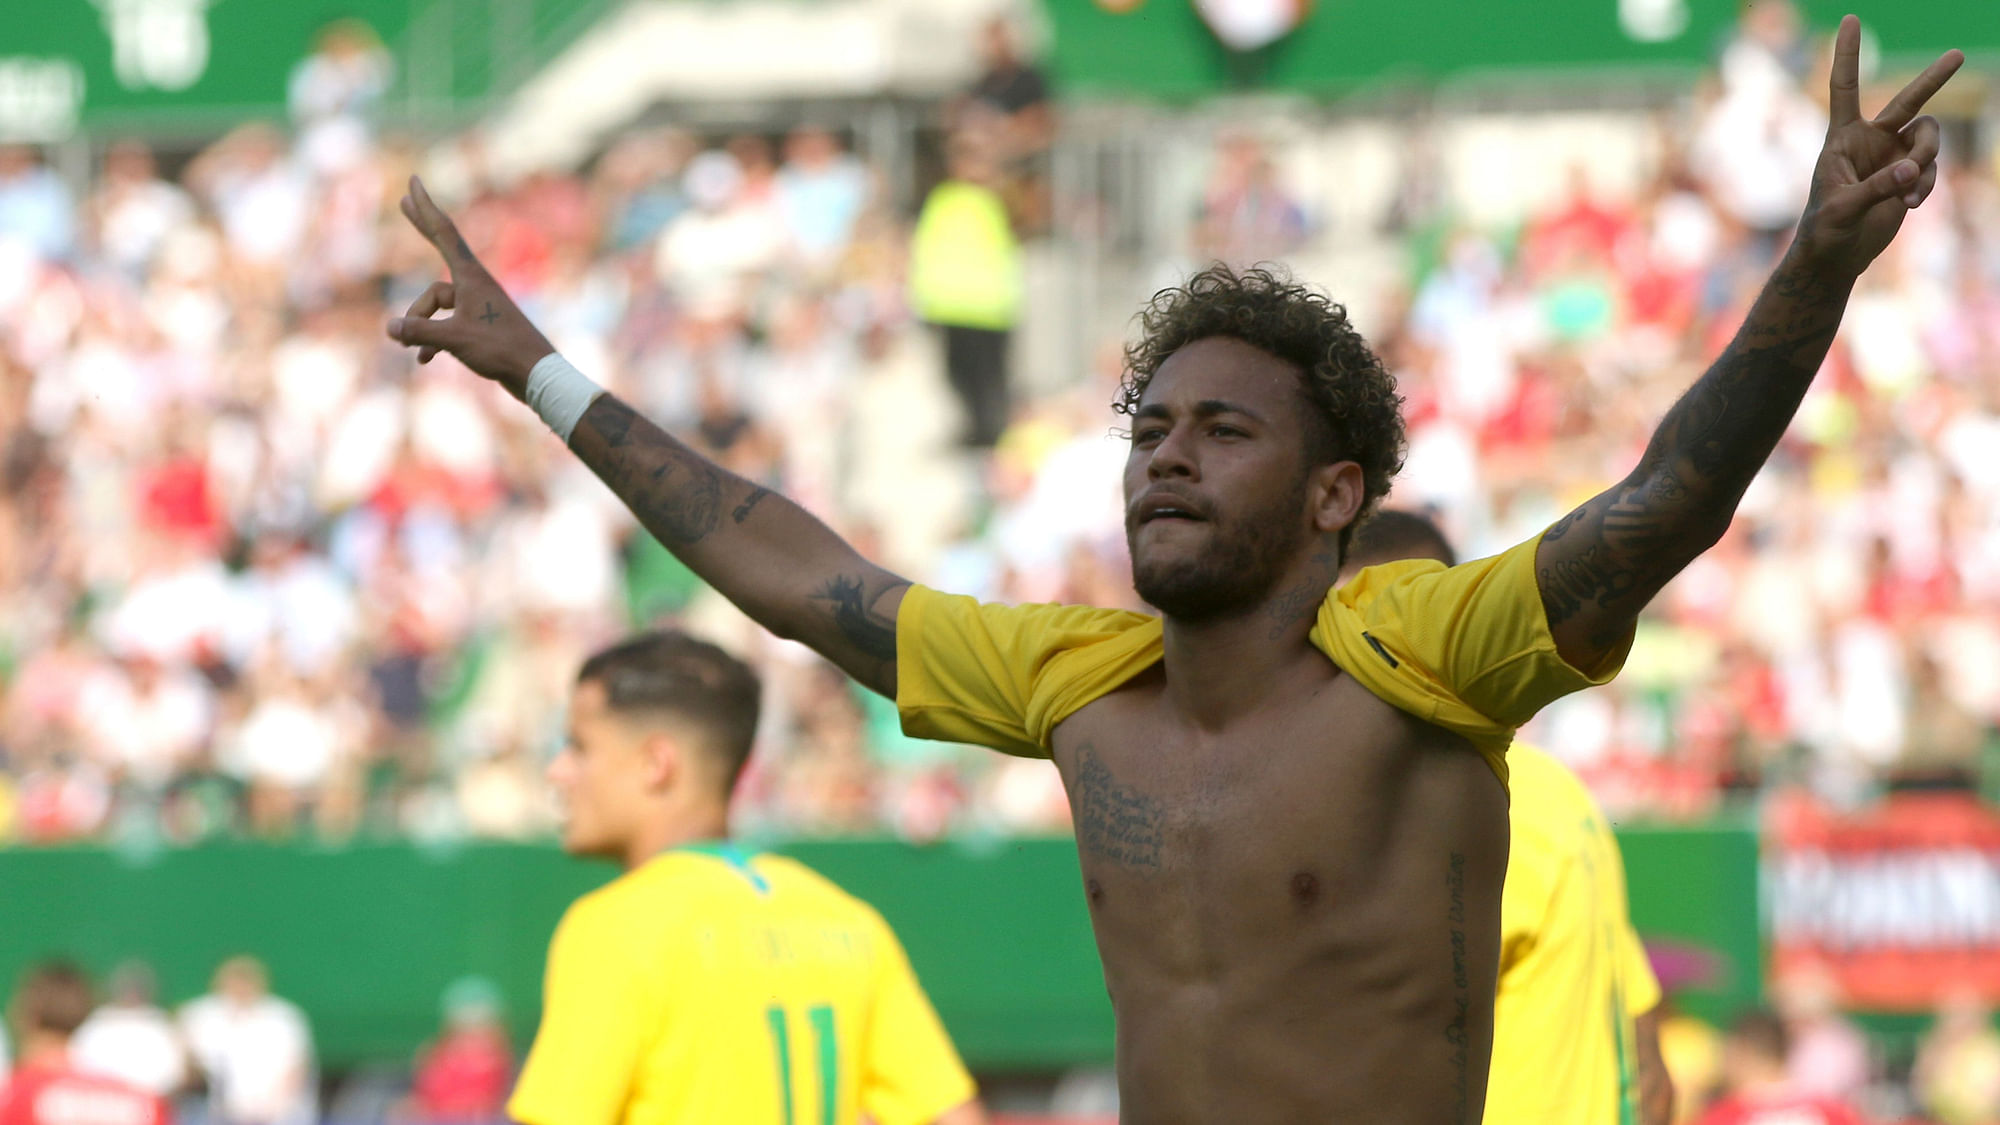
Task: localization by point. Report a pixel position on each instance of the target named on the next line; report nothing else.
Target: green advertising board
(367, 937)
(201, 66)
(1165, 48)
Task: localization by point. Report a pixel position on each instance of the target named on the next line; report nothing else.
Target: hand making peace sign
(1871, 172)
(487, 331)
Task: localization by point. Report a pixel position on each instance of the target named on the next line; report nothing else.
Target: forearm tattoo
(1617, 550)
(673, 491)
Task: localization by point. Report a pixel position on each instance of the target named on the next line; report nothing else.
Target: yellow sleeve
(910, 1073)
(596, 1021)
(1642, 988)
(983, 674)
(1467, 647)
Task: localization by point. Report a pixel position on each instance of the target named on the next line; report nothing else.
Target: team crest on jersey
(1246, 25)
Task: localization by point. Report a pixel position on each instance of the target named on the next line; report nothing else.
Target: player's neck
(1222, 668)
(692, 824)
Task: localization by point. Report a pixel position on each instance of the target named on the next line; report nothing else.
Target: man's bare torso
(1298, 915)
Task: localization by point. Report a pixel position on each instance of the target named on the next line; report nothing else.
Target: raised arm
(783, 567)
(1600, 565)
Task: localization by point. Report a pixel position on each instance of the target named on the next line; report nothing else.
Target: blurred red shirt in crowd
(463, 1077)
(52, 1092)
(1784, 1109)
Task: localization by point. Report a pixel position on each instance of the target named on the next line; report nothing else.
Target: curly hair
(1359, 415)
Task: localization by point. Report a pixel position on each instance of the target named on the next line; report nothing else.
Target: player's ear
(662, 759)
(1337, 492)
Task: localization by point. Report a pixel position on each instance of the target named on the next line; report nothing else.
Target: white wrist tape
(560, 394)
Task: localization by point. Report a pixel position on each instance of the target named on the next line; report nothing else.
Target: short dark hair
(669, 674)
(54, 997)
(1358, 415)
(1393, 534)
(1760, 1030)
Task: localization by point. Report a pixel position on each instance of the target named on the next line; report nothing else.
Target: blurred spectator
(131, 1038)
(260, 195)
(821, 192)
(254, 1049)
(1246, 216)
(1759, 139)
(134, 210)
(48, 1087)
(35, 206)
(334, 93)
(965, 278)
(711, 254)
(463, 1077)
(1828, 1054)
(1756, 1089)
(1957, 1075)
(1010, 103)
(638, 186)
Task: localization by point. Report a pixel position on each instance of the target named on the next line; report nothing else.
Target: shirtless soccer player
(1289, 799)
(1575, 1035)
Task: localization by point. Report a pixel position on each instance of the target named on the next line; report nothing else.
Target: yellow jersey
(711, 985)
(1467, 648)
(1572, 972)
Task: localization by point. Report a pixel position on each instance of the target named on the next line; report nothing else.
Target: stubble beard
(1234, 570)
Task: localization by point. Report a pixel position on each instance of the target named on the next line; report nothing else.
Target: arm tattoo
(1114, 820)
(1610, 556)
(1458, 1029)
(673, 491)
(872, 633)
(742, 511)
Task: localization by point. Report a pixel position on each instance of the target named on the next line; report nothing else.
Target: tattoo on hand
(871, 632)
(742, 511)
(490, 316)
(1114, 821)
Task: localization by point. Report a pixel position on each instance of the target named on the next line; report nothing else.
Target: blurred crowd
(264, 574)
(1845, 635)
(1802, 1061)
(235, 1055)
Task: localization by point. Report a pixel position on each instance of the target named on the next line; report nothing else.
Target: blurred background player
(46, 1087)
(711, 983)
(254, 1049)
(1567, 948)
(462, 1077)
(1758, 1090)
(131, 1037)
